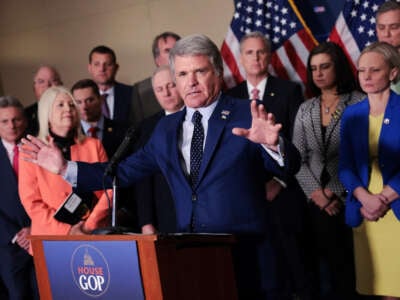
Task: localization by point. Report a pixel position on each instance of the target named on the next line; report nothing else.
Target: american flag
(282, 23)
(355, 27)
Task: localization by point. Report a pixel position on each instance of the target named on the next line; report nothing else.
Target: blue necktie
(196, 147)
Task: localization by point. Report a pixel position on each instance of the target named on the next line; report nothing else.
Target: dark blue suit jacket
(122, 104)
(230, 192)
(354, 153)
(12, 214)
(152, 194)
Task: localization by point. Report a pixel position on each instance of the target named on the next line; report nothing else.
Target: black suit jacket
(155, 204)
(12, 214)
(144, 102)
(31, 113)
(122, 104)
(16, 264)
(281, 97)
(113, 135)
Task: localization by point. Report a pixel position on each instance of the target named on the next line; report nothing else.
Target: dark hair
(103, 50)
(164, 36)
(344, 77)
(86, 83)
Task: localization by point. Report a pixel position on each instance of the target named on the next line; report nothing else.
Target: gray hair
(10, 101)
(256, 35)
(57, 76)
(387, 6)
(158, 70)
(197, 44)
(45, 108)
(389, 53)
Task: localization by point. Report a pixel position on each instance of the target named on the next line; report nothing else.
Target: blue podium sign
(93, 270)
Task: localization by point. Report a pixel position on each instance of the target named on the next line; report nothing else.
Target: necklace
(327, 108)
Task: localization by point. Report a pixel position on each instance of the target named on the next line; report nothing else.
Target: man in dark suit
(45, 77)
(93, 122)
(16, 265)
(144, 101)
(156, 211)
(111, 133)
(215, 167)
(287, 201)
(103, 68)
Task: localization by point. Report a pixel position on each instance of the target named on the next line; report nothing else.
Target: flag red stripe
(230, 61)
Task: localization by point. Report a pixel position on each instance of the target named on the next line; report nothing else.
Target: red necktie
(93, 131)
(15, 159)
(255, 94)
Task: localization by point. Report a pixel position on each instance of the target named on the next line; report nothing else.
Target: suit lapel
(344, 99)
(316, 123)
(269, 93)
(173, 135)
(216, 125)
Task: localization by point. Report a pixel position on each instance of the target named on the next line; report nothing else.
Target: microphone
(129, 139)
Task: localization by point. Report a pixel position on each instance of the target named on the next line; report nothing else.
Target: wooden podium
(187, 266)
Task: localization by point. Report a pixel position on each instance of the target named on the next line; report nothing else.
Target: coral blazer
(42, 192)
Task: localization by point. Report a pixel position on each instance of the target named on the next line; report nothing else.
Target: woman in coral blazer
(42, 192)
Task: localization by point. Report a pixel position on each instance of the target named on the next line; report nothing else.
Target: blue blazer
(354, 153)
(12, 214)
(230, 193)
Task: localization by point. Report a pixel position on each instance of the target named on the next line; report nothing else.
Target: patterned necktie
(15, 159)
(255, 94)
(104, 108)
(93, 131)
(196, 148)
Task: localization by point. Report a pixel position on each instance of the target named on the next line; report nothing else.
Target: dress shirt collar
(9, 148)
(99, 124)
(260, 86)
(109, 92)
(206, 112)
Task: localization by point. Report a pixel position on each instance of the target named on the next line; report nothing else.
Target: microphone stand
(111, 170)
(113, 229)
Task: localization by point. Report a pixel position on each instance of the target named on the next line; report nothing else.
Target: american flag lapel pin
(225, 114)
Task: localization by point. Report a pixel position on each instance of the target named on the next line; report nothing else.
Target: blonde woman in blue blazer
(370, 170)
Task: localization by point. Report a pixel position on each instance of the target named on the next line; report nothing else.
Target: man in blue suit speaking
(216, 168)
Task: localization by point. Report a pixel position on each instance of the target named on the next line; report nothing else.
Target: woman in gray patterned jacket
(316, 135)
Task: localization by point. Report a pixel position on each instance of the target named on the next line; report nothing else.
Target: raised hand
(47, 156)
(264, 130)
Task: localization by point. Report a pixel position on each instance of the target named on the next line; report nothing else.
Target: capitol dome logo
(90, 270)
